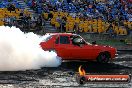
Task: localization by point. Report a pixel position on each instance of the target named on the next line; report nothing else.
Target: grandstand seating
(5, 13)
(1, 22)
(45, 16)
(128, 24)
(96, 25)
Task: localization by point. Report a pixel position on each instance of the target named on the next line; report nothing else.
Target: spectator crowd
(77, 15)
(12, 14)
(111, 12)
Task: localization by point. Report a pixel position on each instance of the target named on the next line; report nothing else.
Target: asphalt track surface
(65, 75)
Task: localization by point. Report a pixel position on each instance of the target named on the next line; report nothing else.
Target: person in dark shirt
(11, 7)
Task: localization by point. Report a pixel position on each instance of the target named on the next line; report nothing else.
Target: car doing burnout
(70, 46)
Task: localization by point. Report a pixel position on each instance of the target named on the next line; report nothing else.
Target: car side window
(77, 40)
(64, 40)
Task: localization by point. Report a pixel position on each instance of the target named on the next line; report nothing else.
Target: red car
(70, 46)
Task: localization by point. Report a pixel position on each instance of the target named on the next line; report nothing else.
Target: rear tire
(103, 58)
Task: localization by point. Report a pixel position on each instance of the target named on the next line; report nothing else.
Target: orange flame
(81, 71)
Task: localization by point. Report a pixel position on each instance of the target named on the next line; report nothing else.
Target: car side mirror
(94, 42)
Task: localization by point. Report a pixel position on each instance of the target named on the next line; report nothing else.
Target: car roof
(69, 34)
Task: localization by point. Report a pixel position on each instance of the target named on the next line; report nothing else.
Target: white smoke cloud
(19, 51)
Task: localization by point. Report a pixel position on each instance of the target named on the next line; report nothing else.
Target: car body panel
(62, 43)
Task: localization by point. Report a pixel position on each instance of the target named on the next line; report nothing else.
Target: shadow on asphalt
(72, 66)
(94, 67)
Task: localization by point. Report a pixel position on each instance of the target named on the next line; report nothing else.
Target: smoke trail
(19, 51)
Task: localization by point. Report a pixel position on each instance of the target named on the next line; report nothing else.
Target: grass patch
(109, 42)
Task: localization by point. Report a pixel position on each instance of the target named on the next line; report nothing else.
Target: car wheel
(103, 58)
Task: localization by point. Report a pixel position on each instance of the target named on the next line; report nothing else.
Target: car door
(87, 51)
(62, 45)
(82, 51)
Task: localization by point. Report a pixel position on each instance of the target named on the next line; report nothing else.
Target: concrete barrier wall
(94, 36)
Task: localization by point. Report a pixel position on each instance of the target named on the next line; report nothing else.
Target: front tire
(103, 58)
